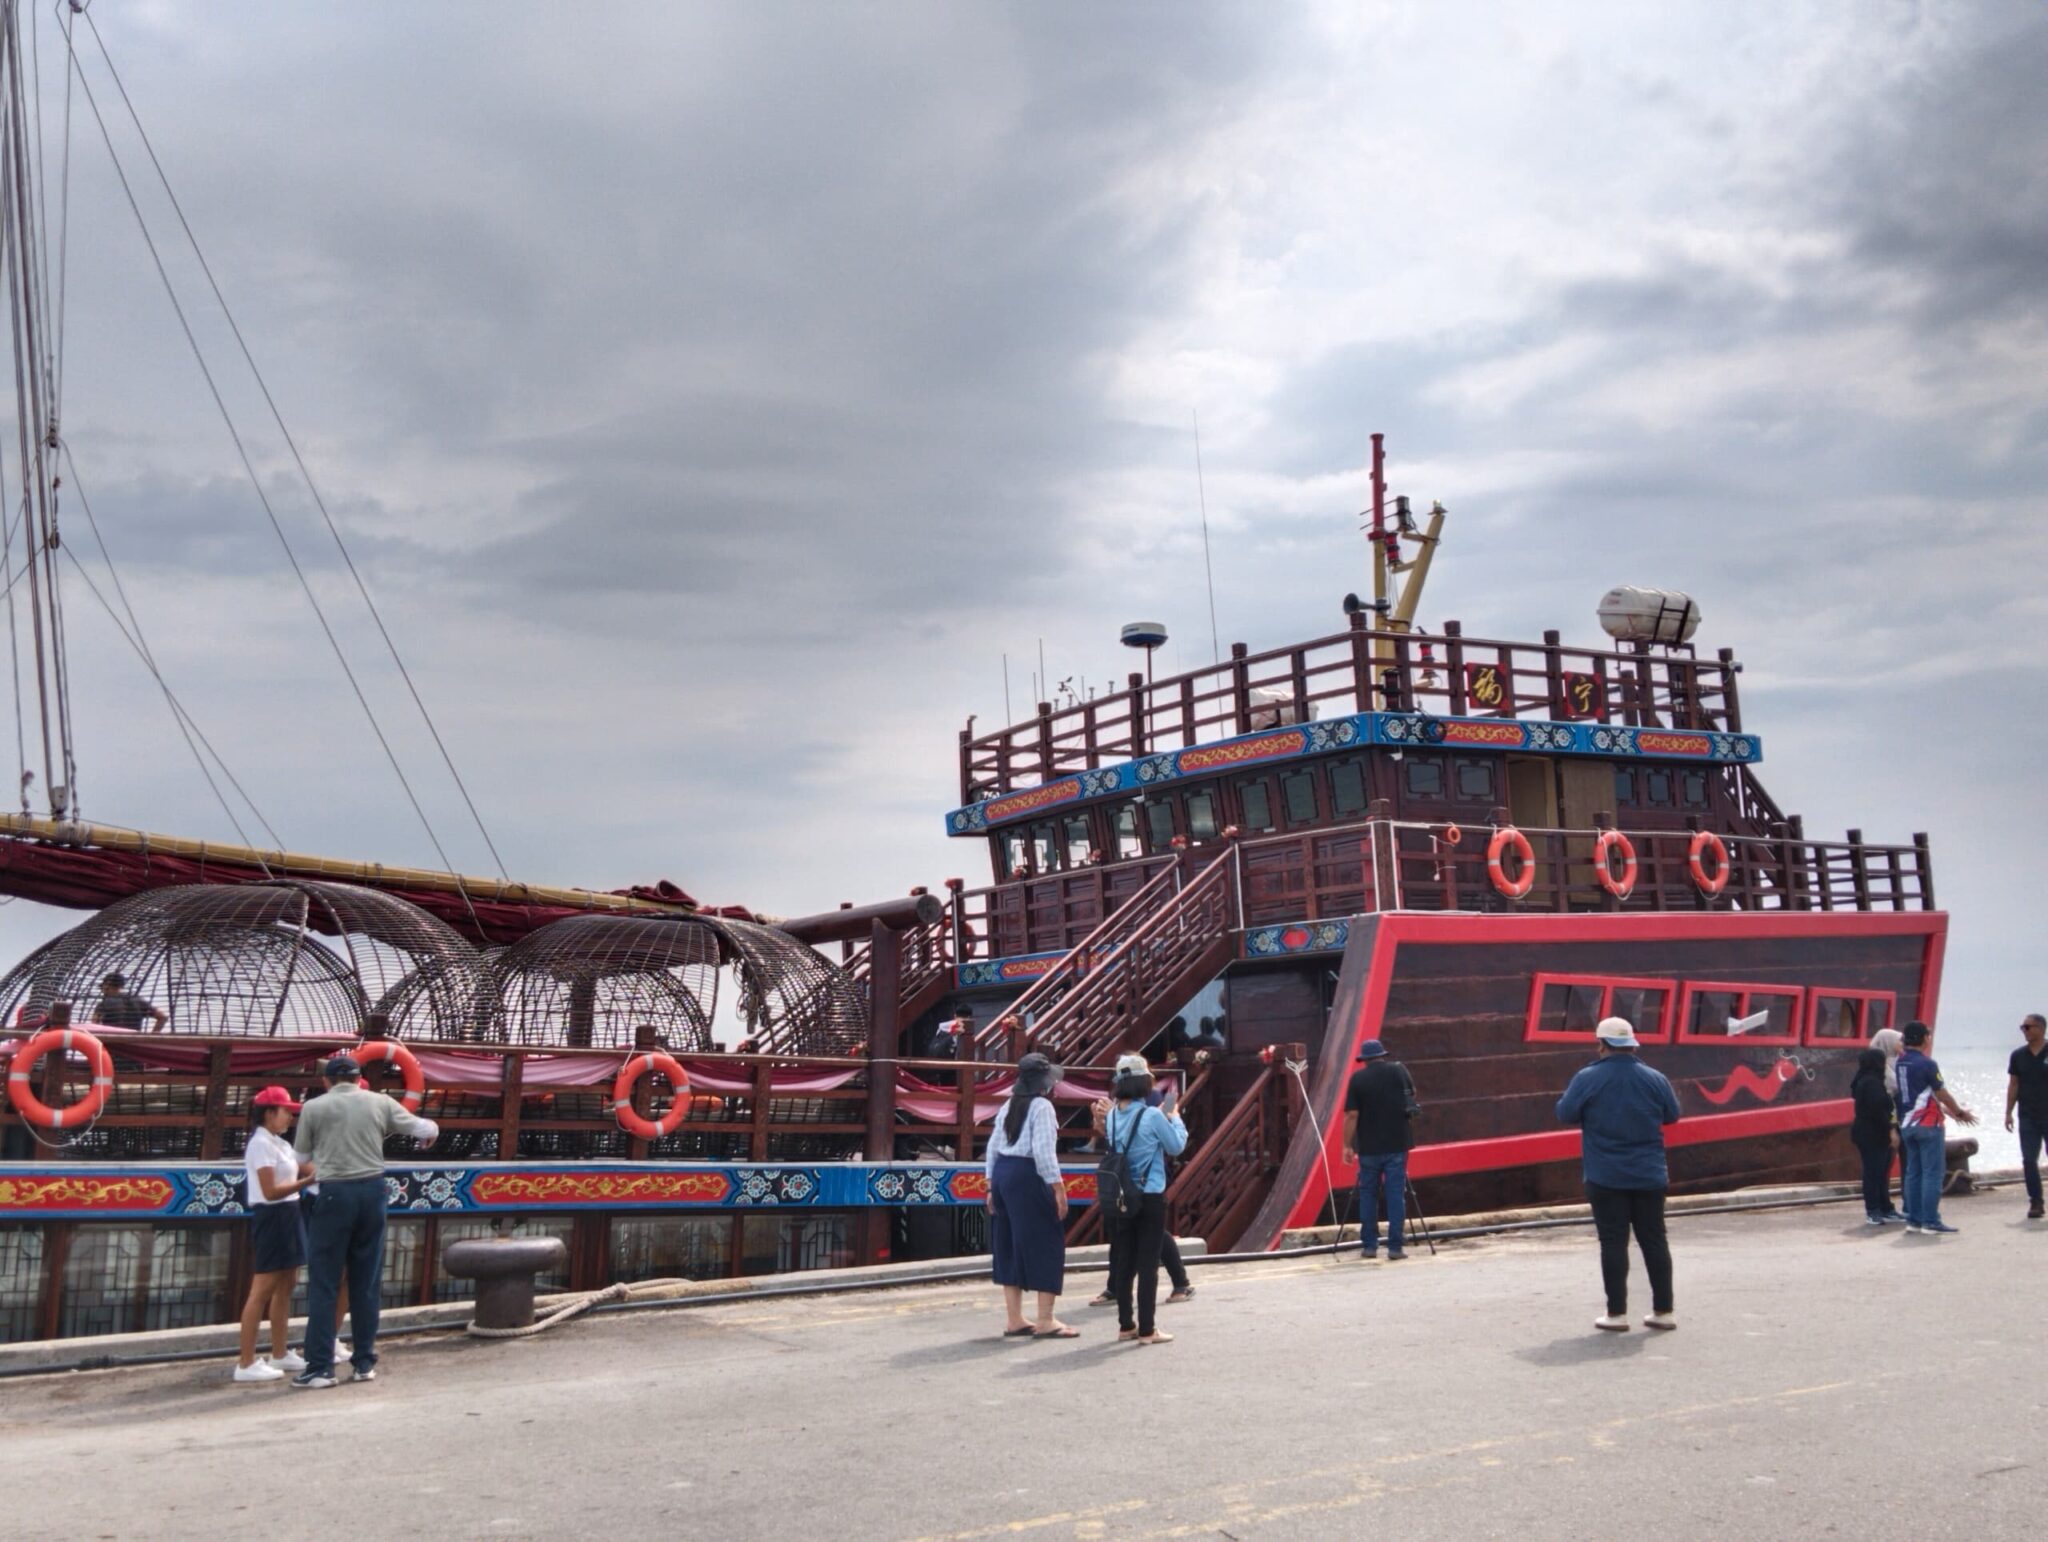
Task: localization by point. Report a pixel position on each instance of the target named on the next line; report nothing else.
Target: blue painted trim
(211, 1192)
(1296, 937)
(1389, 729)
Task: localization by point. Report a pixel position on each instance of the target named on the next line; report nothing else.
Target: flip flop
(1025, 1332)
(1058, 1333)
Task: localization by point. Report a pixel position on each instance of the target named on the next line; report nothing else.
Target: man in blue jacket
(1621, 1107)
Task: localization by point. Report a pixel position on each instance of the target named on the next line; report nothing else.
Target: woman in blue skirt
(1028, 1200)
(277, 1234)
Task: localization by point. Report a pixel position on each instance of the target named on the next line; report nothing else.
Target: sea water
(1975, 1074)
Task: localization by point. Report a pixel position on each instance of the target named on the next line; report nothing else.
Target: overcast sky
(714, 394)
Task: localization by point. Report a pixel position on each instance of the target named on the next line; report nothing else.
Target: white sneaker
(1664, 1320)
(1611, 1324)
(291, 1362)
(261, 1370)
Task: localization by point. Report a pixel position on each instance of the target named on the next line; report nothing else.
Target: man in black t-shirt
(2026, 1089)
(1377, 1106)
(118, 1009)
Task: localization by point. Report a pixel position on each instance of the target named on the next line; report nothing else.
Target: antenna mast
(1394, 604)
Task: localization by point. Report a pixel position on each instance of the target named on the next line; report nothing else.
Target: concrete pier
(1827, 1377)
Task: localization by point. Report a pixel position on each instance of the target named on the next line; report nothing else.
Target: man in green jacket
(342, 1134)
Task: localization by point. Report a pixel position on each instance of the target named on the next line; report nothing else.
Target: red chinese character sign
(1581, 696)
(1486, 687)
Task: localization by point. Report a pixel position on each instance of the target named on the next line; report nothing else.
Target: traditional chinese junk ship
(1469, 848)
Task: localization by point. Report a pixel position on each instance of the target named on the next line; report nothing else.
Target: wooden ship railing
(1357, 670)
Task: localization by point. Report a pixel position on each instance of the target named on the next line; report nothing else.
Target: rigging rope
(270, 513)
(186, 724)
(140, 644)
(291, 443)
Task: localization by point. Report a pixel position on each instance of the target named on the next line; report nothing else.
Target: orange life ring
(1704, 841)
(1450, 835)
(1603, 868)
(635, 1123)
(407, 1063)
(1507, 838)
(20, 1073)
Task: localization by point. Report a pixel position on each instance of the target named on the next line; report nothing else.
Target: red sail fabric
(89, 878)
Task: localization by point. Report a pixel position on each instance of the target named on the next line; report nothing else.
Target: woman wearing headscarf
(1891, 1044)
(1875, 1132)
(1028, 1200)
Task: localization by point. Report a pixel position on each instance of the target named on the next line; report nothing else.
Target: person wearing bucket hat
(1378, 1106)
(1621, 1107)
(275, 1176)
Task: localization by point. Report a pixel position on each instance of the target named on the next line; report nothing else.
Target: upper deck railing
(1357, 670)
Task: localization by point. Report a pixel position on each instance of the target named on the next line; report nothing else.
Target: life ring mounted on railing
(630, 1119)
(1506, 839)
(21, 1074)
(406, 1062)
(1703, 842)
(1621, 885)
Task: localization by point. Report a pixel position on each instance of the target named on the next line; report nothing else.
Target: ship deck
(1458, 1395)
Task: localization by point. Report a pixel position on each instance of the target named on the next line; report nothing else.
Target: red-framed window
(1565, 1008)
(1709, 1010)
(1848, 1017)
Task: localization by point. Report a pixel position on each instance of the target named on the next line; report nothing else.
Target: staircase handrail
(1080, 960)
(1045, 1033)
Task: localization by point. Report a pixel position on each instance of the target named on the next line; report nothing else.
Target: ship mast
(31, 504)
(1397, 578)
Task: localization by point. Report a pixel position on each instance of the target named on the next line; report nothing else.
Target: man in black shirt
(1377, 1106)
(2026, 1087)
(118, 1009)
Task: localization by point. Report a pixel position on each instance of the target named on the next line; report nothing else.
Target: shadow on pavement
(1588, 1348)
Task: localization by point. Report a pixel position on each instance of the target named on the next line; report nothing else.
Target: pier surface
(1827, 1378)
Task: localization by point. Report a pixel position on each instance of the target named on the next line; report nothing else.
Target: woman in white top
(1028, 1199)
(275, 1176)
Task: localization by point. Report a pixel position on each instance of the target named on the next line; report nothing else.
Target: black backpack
(1117, 1188)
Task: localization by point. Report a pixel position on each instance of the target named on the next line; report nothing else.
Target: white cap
(1132, 1065)
(1618, 1031)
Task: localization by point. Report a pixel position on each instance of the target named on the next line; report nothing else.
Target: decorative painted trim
(1297, 937)
(1393, 729)
(143, 1191)
(1017, 968)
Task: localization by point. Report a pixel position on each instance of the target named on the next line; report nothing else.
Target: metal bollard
(504, 1269)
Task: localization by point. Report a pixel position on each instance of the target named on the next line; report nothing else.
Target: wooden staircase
(926, 971)
(1124, 981)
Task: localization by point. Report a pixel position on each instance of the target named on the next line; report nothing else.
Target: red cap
(274, 1097)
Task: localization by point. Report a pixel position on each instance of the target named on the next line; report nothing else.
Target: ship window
(1202, 824)
(21, 1282)
(1159, 824)
(1624, 787)
(1014, 864)
(1693, 787)
(1127, 833)
(1657, 784)
(1475, 780)
(1080, 845)
(1298, 793)
(1255, 804)
(1045, 849)
(1565, 1008)
(1848, 1017)
(1717, 1011)
(1425, 776)
(1347, 788)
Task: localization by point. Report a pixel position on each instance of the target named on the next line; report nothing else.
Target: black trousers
(1617, 1212)
(1134, 1261)
(1877, 1175)
(1169, 1260)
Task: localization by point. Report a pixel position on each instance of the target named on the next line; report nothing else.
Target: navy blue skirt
(1030, 1244)
(279, 1241)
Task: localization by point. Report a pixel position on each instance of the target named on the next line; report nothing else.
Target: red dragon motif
(1766, 1085)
